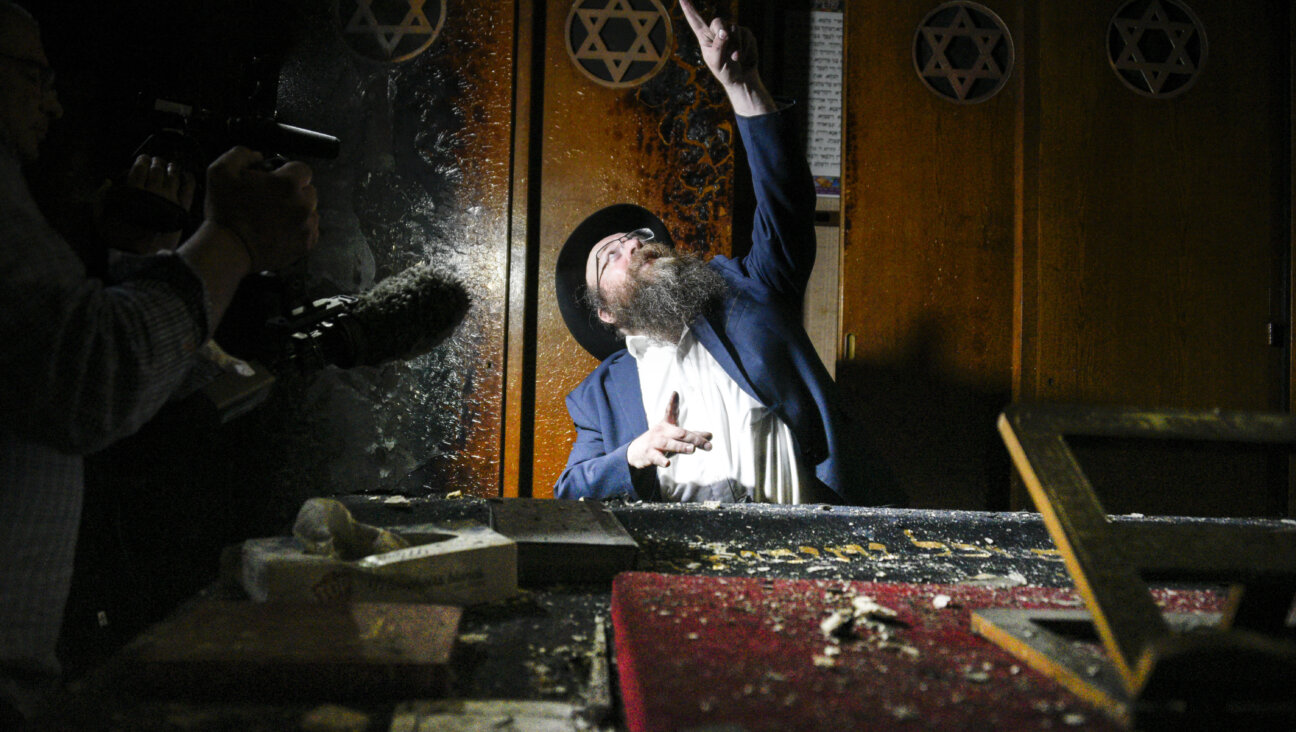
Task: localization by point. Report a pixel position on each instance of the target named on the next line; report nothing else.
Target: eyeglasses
(44, 73)
(645, 235)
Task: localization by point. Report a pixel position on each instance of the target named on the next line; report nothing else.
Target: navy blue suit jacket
(756, 335)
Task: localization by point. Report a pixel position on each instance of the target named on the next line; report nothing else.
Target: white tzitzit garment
(753, 454)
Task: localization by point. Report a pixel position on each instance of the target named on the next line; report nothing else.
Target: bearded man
(715, 351)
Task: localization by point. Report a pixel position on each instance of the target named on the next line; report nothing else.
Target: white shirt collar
(638, 345)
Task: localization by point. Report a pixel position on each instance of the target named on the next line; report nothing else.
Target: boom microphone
(402, 317)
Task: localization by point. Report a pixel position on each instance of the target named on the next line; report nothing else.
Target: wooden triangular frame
(1107, 561)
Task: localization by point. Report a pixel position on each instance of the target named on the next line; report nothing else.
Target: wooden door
(928, 217)
(1157, 237)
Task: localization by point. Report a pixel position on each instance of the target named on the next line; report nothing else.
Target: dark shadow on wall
(936, 431)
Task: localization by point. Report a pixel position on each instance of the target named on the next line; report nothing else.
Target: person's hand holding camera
(255, 220)
(271, 213)
(151, 184)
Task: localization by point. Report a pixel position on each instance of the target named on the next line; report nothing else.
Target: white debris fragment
(901, 648)
(940, 602)
(902, 712)
(867, 607)
(994, 581)
(835, 623)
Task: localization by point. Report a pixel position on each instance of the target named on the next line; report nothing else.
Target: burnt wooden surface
(229, 649)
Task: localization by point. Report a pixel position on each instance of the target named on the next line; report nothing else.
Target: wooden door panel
(1160, 248)
(927, 271)
(1066, 240)
(665, 145)
(1161, 222)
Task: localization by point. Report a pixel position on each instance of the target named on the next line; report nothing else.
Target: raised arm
(729, 51)
(783, 241)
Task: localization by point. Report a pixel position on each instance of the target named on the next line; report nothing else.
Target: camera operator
(84, 362)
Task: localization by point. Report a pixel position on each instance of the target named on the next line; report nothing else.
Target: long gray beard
(666, 297)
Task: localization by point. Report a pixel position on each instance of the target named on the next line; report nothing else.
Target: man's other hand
(273, 213)
(664, 439)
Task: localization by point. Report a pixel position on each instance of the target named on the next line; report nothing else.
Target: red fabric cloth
(749, 653)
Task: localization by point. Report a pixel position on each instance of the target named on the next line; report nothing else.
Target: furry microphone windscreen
(408, 314)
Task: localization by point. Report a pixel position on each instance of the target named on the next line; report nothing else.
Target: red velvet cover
(749, 653)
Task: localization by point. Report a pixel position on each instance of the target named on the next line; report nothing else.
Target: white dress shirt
(753, 454)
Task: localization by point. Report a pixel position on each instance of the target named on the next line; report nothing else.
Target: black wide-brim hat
(594, 335)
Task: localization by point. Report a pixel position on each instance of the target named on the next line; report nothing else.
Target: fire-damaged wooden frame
(1242, 664)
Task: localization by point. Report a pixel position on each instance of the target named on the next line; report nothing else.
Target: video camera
(192, 135)
(265, 321)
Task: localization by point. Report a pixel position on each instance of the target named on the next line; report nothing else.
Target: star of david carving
(961, 78)
(616, 61)
(1132, 57)
(392, 34)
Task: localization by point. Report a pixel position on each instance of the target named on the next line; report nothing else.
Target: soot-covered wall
(423, 113)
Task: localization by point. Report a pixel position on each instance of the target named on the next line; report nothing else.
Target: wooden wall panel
(664, 145)
(927, 270)
(1162, 236)
(1161, 223)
